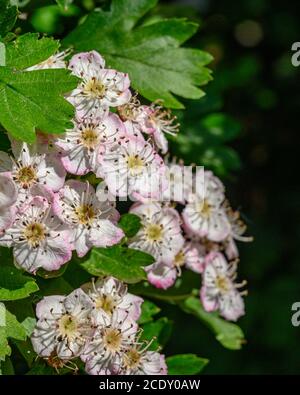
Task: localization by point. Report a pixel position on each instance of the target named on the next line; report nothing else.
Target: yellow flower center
(105, 303)
(132, 358)
(222, 284)
(89, 138)
(135, 164)
(204, 208)
(179, 259)
(112, 339)
(94, 88)
(85, 214)
(67, 326)
(35, 233)
(26, 176)
(154, 232)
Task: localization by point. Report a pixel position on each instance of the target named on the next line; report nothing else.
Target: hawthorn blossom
(137, 360)
(56, 61)
(204, 214)
(114, 334)
(92, 222)
(37, 237)
(8, 196)
(99, 88)
(64, 325)
(163, 274)
(109, 294)
(160, 233)
(30, 168)
(134, 168)
(219, 291)
(89, 138)
(180, 182)
(8, 191)
(157, 121)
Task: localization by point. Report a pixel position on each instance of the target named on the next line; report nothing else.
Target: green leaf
(228, 334)
(8, 16)
(118, 261)
(15, 285)
(28, 50)
(185, 364)
(158, 332)
(29, 324)
(151, 54)
(9, 328)
(34, 99)
(130, 224)
(149, 309)
(6, 367)
(2, 54)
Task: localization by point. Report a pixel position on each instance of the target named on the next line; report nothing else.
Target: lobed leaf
(151, 54)
(118, 261)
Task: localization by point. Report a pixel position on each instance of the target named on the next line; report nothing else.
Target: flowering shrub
(81, 141)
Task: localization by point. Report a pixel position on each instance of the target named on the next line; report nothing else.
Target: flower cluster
(98, 324)
(198, 233)
(48, 209)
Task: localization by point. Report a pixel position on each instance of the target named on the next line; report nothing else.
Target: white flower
(109, 294)
(180, 183)
(100, 88)
(160, 233)
(90, 137)
(114, 334)
(56, 61)
(134, 168)
(137, 360)
(219, 292)
(8, 196)
(204, 214)
(38, 238)
(92, 221)
(64, 325)
(158, 121)
(163, 274)
(29, 168)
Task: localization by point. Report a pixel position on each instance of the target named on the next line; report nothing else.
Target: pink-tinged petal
(86, 63)
(209, 301)
(161, 275)
(218, 261)
(5, 162)
(7, 216)
(107, 234)
(135, 303)
(219, 227)
(132, 130)
(232, 306)
(231, 249)
(50, 306)
(193, 261)
(161, 141)
(81, 241)
(52, 174)
(163, 365)
(76, 162)
(8, 191)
